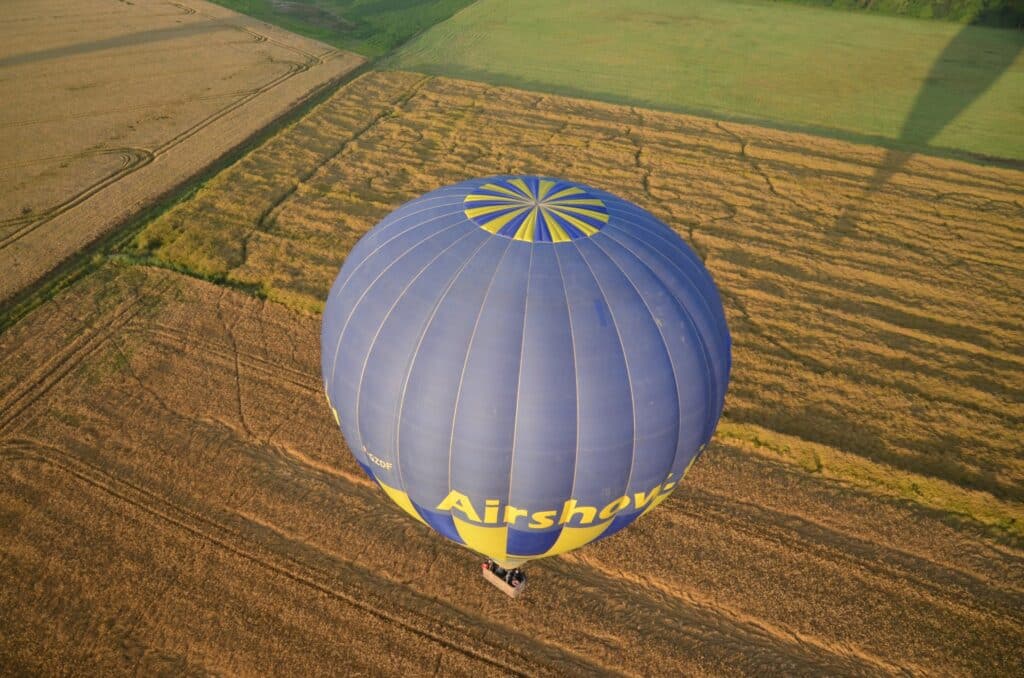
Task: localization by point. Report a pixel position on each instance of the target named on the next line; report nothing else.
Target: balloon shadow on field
(968, 66)
(116, 42)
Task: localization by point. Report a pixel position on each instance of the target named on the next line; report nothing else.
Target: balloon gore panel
(524, 364)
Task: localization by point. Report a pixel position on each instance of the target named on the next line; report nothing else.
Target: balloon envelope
(524, 364)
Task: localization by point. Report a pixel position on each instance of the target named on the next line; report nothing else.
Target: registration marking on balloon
(533, 209)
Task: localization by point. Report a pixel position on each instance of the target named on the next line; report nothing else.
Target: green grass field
(860, 76)
(1007, 13)
(369, 27)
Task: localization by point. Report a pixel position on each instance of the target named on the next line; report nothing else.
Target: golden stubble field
(177, 499)
(176, 496)
(109, 105)
(876, 301)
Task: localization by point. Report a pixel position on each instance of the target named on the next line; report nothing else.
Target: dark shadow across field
(129, 40)
(900, 145)
(935, 107)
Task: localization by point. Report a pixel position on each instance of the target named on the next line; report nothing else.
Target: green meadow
(1009, 13)
(939, 86)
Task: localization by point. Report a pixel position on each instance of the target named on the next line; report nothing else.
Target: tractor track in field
(204, 419)
(374, 595)
(762, 645)
(755, 638)
(940, 582)
(54, 369)
(289, 61)
(132, 159)
(136, 158)
(280, 494)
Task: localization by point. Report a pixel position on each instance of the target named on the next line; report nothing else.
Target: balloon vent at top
(533, 209)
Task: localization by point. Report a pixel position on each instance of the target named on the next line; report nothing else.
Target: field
(128, 101)
(1005, 13)
(874, 298)
(369, 27)
(177, 499)
(857, 76)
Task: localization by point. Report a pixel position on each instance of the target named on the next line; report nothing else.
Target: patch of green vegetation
(1004, 13)
(914, 85)
(1000, 518)
(72, 420)
(369, 27)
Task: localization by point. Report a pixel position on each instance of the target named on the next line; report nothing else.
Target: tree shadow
(972, 61)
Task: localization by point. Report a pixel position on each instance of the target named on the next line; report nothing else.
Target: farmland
(1005, 13)
(857, 76)
(138, 98)
(873, 298)
(367, 27)
(177, 498)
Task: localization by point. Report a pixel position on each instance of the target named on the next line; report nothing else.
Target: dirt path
(175, 496)
(112, 105)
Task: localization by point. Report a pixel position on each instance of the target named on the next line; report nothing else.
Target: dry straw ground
(109, 105)
(175, 498)
(875, 299)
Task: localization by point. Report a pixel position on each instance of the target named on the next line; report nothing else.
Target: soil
(111, 105)
(176, 497)
(875, 298)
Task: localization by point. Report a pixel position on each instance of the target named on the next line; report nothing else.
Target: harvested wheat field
(876, 299)
(176, 498)
(109, 105)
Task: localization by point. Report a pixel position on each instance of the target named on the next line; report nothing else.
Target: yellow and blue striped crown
(533, 209)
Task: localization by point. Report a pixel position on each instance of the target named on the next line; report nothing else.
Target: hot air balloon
(524, 364)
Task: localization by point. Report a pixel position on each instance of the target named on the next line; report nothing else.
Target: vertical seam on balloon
(376, 336)
(710, 374)
(519, 381)
(664, 345)
(465, 362)
(625, 360)
(380, 275)
(720, 328)
(717, 327)
(649, 225)
(415, 354)
(369, 255)
(711, 383)
(651, 228)
(575, 373)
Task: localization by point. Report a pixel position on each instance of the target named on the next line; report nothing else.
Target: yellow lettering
(660, 498)
(491, 510)
(570, 509)
(512, 513)
(542, 519)
(641, 500)
(459, 501)
(614, 507)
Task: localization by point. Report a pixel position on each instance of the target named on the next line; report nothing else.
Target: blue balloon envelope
(525, 364)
